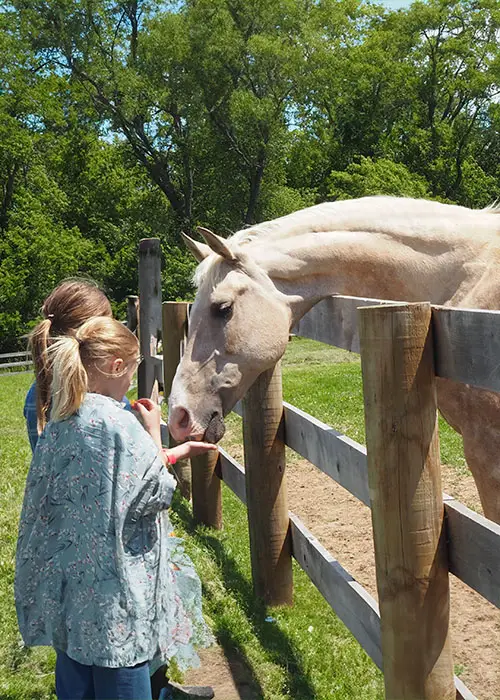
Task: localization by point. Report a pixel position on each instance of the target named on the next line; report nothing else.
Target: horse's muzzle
(215, 429)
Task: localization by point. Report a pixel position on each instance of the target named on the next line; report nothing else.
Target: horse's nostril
(183, 418)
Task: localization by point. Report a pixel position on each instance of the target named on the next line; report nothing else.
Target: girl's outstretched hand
(188, 449)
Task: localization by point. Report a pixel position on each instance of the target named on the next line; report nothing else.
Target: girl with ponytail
(69, 305)
(97, 575)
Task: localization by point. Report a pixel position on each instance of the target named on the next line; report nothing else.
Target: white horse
(256, 285)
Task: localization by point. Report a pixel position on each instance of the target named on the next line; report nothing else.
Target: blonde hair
(69, 305)
(97, 340)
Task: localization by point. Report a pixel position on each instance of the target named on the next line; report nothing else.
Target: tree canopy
(136, 118)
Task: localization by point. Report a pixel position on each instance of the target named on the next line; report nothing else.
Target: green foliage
(368, 177)
(140, 120)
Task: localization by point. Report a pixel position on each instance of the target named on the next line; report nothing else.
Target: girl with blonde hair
(66, 308)
(95, 573)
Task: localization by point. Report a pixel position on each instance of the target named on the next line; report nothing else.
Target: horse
(255, 286)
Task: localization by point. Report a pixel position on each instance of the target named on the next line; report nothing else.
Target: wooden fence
(420, 534)
(22, 361)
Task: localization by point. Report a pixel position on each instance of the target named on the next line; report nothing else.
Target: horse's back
(393, 215)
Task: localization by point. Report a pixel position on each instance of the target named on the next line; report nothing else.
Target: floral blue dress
(98, 573)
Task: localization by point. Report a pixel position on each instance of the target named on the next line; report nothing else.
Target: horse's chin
(215, 429)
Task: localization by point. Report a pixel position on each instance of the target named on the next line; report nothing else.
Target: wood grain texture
(263, 439)
(407, 505)
(467, 342)
(150, 322)
(175, 320)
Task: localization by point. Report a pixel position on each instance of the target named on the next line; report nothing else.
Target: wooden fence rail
(27, 362)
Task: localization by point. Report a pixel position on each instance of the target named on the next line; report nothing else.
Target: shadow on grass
(272, 639)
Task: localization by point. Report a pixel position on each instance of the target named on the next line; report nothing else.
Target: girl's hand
(187, 450)
(149, 413)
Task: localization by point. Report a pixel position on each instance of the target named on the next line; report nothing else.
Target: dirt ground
(343, 526)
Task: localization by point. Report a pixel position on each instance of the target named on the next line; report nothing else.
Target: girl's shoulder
(97, 409)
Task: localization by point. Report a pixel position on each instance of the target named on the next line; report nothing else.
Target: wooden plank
(233, 475)
(334, 321)
(467, 341)
(357, 609)
(467, 346)
(341, 458)
(352, 603)
(474, 541)
(473, 549)
(9, 365)
(23, 353)
(463, 693)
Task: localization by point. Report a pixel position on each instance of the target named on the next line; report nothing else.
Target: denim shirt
(97, 575)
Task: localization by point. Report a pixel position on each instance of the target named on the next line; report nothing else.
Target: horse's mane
(493, 208)
(319, 218)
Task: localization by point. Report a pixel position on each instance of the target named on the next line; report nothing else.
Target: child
(94, 568)
(69, 305)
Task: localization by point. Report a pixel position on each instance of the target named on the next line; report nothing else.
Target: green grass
(305, 652)
(326, 382)
(24, 673)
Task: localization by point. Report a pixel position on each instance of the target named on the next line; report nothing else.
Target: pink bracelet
(171, 459)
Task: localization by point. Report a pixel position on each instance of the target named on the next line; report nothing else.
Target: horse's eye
(224, 310)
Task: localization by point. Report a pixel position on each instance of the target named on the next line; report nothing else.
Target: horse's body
(262, 280)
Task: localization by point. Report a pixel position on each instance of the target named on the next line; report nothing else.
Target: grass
(298, 653)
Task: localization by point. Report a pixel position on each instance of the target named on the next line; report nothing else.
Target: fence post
(150, 312)
(268, 521)
(132, 312)
(407, 505)
(175, 317)
(206, 490)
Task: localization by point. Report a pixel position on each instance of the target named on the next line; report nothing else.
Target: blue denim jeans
(75, 681)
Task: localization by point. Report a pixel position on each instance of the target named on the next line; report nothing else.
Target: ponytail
(68, 306)
(69, 378)
(92, 345)
(38, 345)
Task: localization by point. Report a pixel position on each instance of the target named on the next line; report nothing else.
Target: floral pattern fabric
(98, 573)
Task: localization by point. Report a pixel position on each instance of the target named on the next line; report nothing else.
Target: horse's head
(239, 326)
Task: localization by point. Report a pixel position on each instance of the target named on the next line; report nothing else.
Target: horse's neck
(310, 267)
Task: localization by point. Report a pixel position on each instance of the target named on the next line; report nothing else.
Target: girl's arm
(186, 450)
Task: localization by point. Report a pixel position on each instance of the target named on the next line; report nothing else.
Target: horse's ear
(216, 243)
(199, 250)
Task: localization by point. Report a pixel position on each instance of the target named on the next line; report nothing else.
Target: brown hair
(70, 304)
(71, 356)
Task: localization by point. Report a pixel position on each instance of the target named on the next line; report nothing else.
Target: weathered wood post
(150, 312)
(175, 319)
(132, 312)
(407, 504)
(268, 521)
(206, 490)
